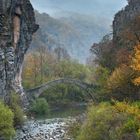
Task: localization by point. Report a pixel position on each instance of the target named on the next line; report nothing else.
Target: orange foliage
(119, 78)
(136, 65)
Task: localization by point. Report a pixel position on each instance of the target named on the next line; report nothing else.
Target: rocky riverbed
(49, 129)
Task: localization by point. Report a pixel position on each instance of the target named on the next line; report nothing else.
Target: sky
(105, 8)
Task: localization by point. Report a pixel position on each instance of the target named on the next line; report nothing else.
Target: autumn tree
(30, 70)
(41, 56)
(110, 122)
(38, 67)
(136, 65)
(103, 52)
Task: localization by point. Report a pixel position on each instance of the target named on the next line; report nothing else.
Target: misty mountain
(72, 32)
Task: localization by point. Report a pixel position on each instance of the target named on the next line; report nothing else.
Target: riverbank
(49, 129)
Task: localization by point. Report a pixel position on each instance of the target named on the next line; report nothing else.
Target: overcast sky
(105, 8)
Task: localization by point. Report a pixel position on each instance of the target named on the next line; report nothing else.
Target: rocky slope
(126, 25)
(17, 24)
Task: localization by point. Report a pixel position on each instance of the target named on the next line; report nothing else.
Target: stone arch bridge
(36, 92)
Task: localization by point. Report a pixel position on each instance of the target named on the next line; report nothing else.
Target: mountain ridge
(75, 33)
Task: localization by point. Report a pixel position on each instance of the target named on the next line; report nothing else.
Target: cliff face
(125, 32)
(17, 24)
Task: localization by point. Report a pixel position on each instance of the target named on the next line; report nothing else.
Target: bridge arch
(36, 92)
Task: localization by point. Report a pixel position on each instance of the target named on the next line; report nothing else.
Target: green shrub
(15, 105)
(6, 123)
(40, 107)
(130, 126)
(111, 122)
(137, 104)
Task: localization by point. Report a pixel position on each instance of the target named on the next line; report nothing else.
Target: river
(52, 128)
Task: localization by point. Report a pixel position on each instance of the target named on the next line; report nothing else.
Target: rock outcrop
(17, 25)
(125, 32)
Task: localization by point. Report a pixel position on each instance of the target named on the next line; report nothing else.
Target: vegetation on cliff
(7, 130)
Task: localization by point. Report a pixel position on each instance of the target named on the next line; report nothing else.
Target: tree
(40, 107)
(72, 69)
(101, 75)
(119, 84)
(136, 65)
(61, 53)
(31, 70)
(41, 53)
(15, 106)
(103, 52)
(6, 123)
(120, 77)
(39, 67)
(119, 121)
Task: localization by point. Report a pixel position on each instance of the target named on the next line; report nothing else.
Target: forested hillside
(74, 33)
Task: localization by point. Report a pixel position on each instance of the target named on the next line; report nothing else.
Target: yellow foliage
(136, 59)
(128, 108)
(119, 78)
(111, 122)
(31, 68)
(136, 64)
(136, 81)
